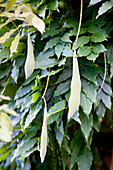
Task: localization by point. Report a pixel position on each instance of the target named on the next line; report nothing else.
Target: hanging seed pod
(43, 144)
(6, 128)
(74, 99)
(30, 61)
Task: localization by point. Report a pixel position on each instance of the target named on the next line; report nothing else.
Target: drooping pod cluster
(74, 99)
(43, 143)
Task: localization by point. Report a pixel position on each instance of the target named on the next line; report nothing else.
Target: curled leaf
(43, 144)
(6, 128)
(74, 99)
(30, 61)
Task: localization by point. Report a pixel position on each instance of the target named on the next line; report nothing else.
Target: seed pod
(30, 61)
(6, 128)
(43, 144)
(74, 99)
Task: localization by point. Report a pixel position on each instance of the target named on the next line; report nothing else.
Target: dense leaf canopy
(37, 42)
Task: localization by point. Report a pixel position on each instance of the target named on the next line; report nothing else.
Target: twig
(104, 75)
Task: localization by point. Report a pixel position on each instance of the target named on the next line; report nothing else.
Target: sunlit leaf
(6, 35)
(14, 44)
(105, 7)
(10, 4)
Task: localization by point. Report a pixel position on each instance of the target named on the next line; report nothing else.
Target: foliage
(53, 29)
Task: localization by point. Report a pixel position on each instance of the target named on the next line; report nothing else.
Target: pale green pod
(6, 128)
(30, 61)
(74, 100)
(43, 144)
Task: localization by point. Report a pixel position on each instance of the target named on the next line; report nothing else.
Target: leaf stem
(80, 21)
(46, 87)
(104, 75)
(15, 26)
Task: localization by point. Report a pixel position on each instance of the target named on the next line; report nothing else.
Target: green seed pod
(43, 144)
(74, 99)
(30, 61)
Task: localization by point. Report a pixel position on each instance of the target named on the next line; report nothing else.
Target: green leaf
(62, 88)
(67, 52)
(101, 109)
(106, 87)
(25, 146)
(54, 117)
(34, 109)
(98, 48)
(90, 91)
(82, 40)
(92, 2)
(45, 73)
(77, 145)
(27, 153)
(13, 47)
(32, 77)
(45, 55)
(66, 74)
(86, 104)
(59, 50)
(46, 63)
(57, 107)
(86, 124)
(84, 51)
(94, 29)
(36, 96)
(66, 38)
(7, 153)
(5, 23)
(52, 43)
(106, 99)
(97, 37)
(60, 134)
(85, 160)
(92, 56)
(4, 53)
(105, 7)
(88, 73)
(5, 71)
(52, 5)
(34, 20)
(10, 4)
(76, 117)
(6, 36)
(96, 122)
(24, 90)
(15, 73)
